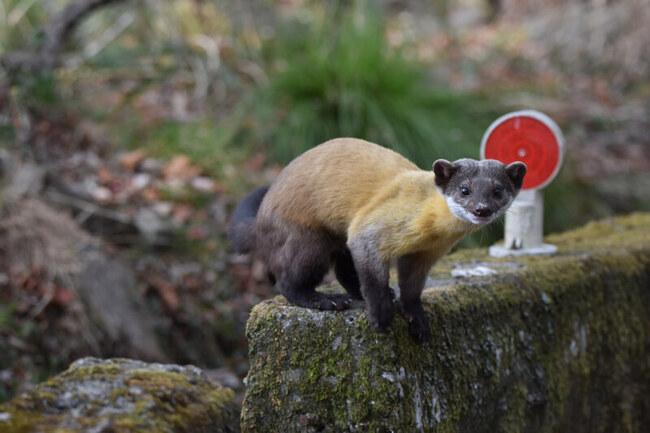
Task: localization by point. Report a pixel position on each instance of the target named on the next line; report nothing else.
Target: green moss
(130, 396)
(548, 344)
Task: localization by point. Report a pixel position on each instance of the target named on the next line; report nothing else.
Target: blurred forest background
(129, 129)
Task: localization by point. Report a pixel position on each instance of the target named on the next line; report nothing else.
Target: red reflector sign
(530, 137)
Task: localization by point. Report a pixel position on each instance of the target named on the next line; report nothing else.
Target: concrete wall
(545, 344)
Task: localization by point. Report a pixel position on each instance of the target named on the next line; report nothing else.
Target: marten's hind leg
(299, 264)
(346, 274)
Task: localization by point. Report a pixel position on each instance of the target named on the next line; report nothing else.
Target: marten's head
(478, 191)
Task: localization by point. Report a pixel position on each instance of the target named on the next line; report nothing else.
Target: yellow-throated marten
(357, 205)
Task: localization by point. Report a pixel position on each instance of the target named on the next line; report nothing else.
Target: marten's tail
(242, 226)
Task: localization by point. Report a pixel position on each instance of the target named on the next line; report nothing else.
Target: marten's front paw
(419, 328)
(382, 315)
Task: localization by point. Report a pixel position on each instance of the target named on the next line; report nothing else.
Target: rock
(203, 184)
(110, 319)
(101, 194)
(6, 161)
(140, 181)
(108, 289)
(122, 395)
(152, 227)
(547, 344)
(26, 180)
(152, 166)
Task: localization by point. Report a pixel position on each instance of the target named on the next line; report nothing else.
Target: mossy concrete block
(546, 344)
(123, 396)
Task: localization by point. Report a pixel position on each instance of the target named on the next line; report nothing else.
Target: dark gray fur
(242, 227)
(298, 258)
(491, 185)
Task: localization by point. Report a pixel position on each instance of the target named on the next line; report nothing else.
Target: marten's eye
(465, 191)
(498, 192)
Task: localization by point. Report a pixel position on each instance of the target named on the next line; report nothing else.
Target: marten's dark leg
(412, 273)
(299, 263)
(373, 277)
(346, 274)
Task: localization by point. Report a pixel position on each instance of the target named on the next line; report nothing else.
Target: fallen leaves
(166, 291)
(38, 291)
(63, 296)
(130, 160)
(173, 195)
(181, 167)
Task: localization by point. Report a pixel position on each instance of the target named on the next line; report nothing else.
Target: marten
(357, 205)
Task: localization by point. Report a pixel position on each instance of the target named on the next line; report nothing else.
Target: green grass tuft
(339, 78)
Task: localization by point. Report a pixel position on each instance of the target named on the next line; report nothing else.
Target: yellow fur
(355, 188)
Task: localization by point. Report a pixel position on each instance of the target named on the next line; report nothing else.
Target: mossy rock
(120, 396)
(546, 344)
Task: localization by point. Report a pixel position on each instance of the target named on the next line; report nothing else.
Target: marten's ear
(516, 172)
(444, 170)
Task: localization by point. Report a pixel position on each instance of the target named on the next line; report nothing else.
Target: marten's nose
(482, 210)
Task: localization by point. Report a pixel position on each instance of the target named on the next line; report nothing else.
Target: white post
(524, 221)
(524, 227)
